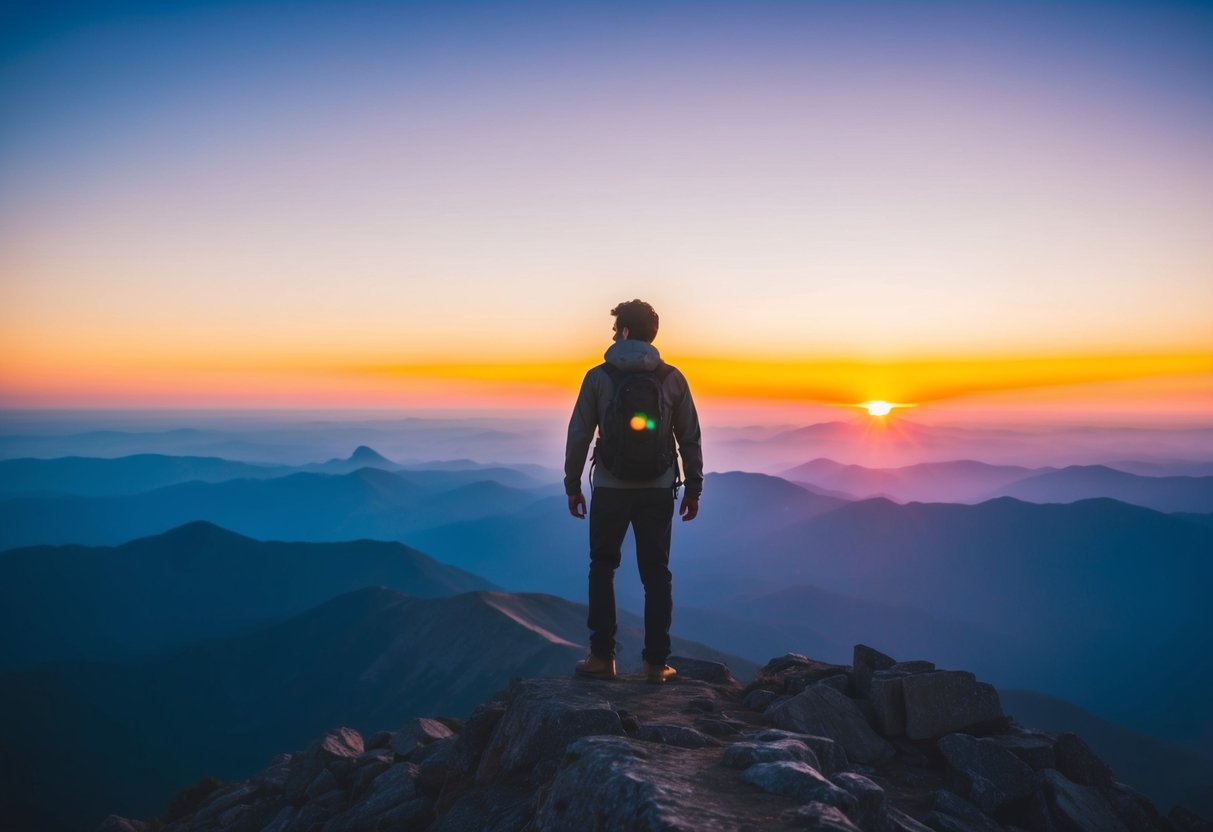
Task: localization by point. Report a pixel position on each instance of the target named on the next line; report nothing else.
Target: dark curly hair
(640, 319)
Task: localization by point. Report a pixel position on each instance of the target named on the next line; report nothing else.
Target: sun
(880, 407)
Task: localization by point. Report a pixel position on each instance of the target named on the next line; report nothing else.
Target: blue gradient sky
(241, 189)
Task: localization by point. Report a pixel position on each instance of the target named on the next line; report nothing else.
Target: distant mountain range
(966, 481)
(369, 659)
(196, 581)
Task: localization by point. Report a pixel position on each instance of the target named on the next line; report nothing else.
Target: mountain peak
(365, 454)
(808, 744)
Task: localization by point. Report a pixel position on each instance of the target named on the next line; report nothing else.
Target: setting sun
(881, 408)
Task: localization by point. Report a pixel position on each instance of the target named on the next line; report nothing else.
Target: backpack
(636, 439)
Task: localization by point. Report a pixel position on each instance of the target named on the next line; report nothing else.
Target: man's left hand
(689, 508)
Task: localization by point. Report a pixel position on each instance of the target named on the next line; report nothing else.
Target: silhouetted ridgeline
(878, 746)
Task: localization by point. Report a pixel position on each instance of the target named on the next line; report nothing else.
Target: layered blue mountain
(1084, 482)
(95, 477)
(369, 659)
(369, 502)
(960, 481)
(75, 602)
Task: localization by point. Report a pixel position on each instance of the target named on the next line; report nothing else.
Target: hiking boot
(596, 668)
(658, 674)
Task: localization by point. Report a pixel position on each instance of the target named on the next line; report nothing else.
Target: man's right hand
(577, 505)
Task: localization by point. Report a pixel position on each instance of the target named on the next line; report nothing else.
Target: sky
(982, 209)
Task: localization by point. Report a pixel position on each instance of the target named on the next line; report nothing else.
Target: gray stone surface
(418, 732)
(1079, 763)
(679, 735)
(946, 701)
(342, 744)
(1064, 805)
(1033, 747)
(871, 807)
(714, 672)
(866, 661)
(818, 816)
(798, 781)
(912, 667)
(608, 783)
(829, 753)
(888, 702)
(989, 775)
(952, 813)
(542, 717)
(899, 821)
(758, 699)
(823, 711)
(496, 809)
(742, 755)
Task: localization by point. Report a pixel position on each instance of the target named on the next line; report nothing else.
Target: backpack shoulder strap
(663, 371)
(611, 370)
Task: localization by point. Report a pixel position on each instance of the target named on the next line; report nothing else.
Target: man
(619, 498)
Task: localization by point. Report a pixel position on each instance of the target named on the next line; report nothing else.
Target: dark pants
(650, 512)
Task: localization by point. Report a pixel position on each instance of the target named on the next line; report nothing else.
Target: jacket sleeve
(582, 425)
(686, 431)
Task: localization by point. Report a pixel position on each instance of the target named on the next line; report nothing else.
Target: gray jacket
(590, 411)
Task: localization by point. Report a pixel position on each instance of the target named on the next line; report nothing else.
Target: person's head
(635, 320)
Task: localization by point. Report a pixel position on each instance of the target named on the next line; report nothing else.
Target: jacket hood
(633, 356)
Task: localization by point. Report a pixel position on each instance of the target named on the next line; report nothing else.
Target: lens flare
(638, 422)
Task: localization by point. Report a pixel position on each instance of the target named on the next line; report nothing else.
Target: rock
(759, 699)
(475, 736)
(375, 755)
(840, 682)
(283, 820)
(798, 781)
(679, 735)
(829, 753)
(393, 787)
(989, 775)
(1062, 804)
(719, 725)
(899, 821)
(418, 732)
(608, 783)
(792, 673)
(323, 783)
(705, 671)
(314, 814)
(866, 661)
(415, 814)
(952, 813)
(946, 701)
(823, 711)
(365, 774)
(910, 668)
(742, 755)
(542, 717)
(496, 809)
(344, 743)
(818, 816)
(1079, 763)
(224, 799)
(1186, 821)
(699, 704)
(381, 740)
(437, 767)
(1135, 811)
(1033, 747)
(273, 777)
(871, 807)
(888, 702)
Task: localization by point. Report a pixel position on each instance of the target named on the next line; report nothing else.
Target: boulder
(871, 808)
(418, 732)
(224, 799)
(390, 789)
(952, 813)
(1060, 803)
(910, 668)
(1079, 763)
(720, 725)
(477, 733)
(1136, 811)
(987, 774)
(499, 808)
(823, 711)
(342, 744)
(829, 753)
(742, 755)
(899, 821)
(866, 661)
(798, 781)
(946, 701)
(542, 717)
(792, 673)
(116, 823)
(705, 671)
(438, 766)
(888, 702)
(758, 699)
(283, 820)
(819, 816)
(679, 735)
(273, 777)
(1185, 821)
(1033, 747)
(620, 783)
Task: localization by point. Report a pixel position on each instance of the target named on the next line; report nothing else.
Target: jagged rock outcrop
(878, 746)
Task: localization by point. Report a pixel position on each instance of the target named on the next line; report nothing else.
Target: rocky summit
(878, 746)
